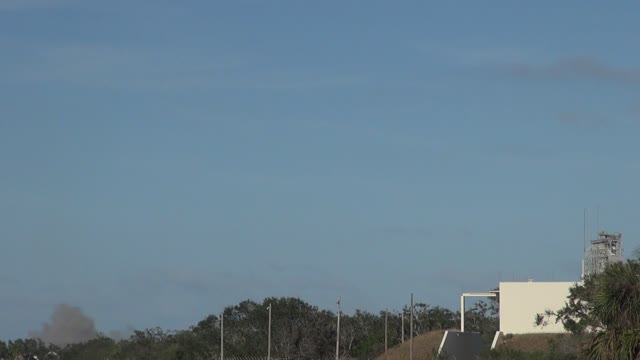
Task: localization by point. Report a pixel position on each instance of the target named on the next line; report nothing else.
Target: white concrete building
(520, 302)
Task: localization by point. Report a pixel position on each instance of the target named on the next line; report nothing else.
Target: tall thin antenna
(597, 218)
(584, 235)
(593, 233)
(584, 239)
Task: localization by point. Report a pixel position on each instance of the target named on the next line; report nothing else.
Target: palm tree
(616, 306)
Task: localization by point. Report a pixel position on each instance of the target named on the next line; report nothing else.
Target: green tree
(577, 315)
(151, 344)
(27, 347)
(98, 348)
(429, 318)
(606, 308)
(298, 330)
(4, 350)
(616, 304)
(369, 339)
(482, 318)
(200, 341)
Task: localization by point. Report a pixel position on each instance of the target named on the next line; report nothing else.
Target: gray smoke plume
(68, 325)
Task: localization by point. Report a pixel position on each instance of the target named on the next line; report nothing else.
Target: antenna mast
(584, 239)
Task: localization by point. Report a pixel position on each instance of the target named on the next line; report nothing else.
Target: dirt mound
(424, 346)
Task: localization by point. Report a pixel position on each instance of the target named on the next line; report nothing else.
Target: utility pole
(386, 328)
(462, 313)
(402, 327)
(338, 332)
(411, 331)
(222, 335)
(269, 336)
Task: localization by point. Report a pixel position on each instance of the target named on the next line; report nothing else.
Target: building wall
(521, 301)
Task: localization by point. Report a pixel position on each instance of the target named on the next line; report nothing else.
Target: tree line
(298, 330)
(604, 311)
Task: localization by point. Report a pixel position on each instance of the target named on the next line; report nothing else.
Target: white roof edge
(487, 294)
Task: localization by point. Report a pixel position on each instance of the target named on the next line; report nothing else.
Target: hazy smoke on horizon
(68, 325)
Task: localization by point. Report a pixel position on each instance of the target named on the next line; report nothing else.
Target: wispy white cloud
(576, 68)
(523, 62)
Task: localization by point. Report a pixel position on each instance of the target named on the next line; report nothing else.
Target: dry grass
(562, 343)
(423, 347)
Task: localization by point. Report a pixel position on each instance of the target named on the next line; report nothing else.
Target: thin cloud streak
(531, 63)
(576, 68)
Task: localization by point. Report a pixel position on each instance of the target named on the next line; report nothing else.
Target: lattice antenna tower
(606, 249)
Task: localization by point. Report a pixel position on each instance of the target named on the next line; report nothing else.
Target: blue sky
(161, 160)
